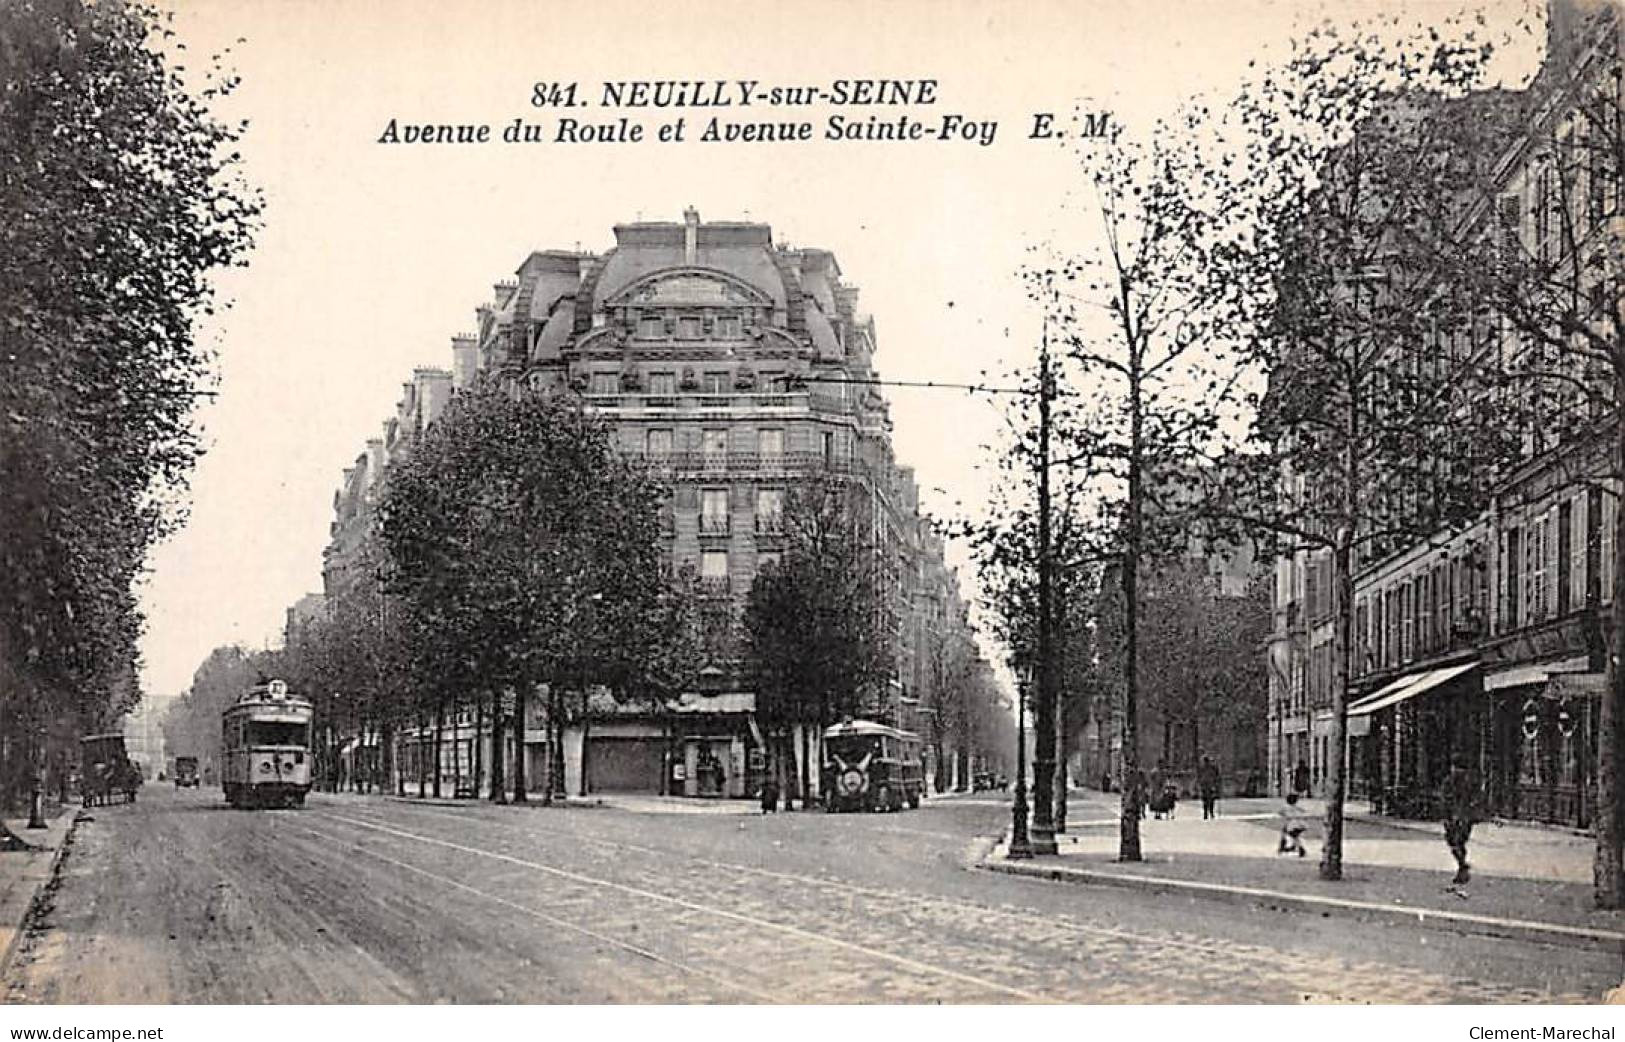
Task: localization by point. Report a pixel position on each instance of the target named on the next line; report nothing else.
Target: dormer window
(651, 326)
(688, 327)
(729, 327)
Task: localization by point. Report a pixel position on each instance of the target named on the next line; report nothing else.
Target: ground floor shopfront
(700, 748)
(1528, 730)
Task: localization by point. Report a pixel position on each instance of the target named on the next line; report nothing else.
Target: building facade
(1487, 643)
(738, 370)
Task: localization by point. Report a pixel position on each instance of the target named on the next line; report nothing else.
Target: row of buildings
(1486, 642)
(737, 368)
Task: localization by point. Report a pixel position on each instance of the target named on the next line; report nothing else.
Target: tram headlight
(265, 767)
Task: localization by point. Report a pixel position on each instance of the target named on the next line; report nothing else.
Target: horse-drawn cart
(105, 769)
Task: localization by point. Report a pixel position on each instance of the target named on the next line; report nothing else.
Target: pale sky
(374, 255)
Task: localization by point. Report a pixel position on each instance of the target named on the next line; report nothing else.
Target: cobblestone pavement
(370, 900)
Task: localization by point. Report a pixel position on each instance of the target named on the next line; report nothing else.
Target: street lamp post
(1020, 845)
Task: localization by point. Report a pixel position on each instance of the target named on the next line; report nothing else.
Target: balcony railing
(715, 524)
(769, 524)
(715, 586)
(800, 462)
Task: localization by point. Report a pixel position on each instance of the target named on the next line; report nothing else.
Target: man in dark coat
(1300, 779)
(1461, 804)
(1207, 785)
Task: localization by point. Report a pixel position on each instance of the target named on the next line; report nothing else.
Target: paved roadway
(178, 899)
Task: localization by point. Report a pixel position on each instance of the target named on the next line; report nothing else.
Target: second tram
(265, 746)
(869, 766)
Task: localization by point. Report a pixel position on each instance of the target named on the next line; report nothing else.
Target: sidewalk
(24, 873)
(1528, 883)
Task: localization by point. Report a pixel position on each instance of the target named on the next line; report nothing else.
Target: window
(714, 444)
(1610, 514)
(716, 383)
(663, 383)
(1407, 648)
(768, 559)
(770, 442)
(265, 732)
(688, 327)
(829, 445)
(651, 326)
(605, 383)
(714, 564)
(1512, 606)
(714, 511)
(1545, 204)
(1565, 559)
(769, 509)
(728, 326)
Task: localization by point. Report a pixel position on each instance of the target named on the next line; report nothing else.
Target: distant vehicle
(186, 772)
(105, 769)
(266, 741)
(985, 780)
(869, 766)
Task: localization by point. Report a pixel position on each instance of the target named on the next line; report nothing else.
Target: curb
(1458, 922)
(39, 889)
(430, 801)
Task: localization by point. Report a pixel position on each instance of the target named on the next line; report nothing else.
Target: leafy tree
(1141, 397)
(527, 552)
(1545, 258)
(120, 201)
(819, 626)
(1379, 424)
(192, 724)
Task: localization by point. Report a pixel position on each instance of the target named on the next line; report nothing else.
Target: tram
(869, 766)
(265, 745)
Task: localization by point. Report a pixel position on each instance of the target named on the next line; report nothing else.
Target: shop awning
(1537, 673)
(1408, 687)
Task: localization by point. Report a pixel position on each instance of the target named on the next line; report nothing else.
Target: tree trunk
(1608, 864)
(499, 787)
(1331, 854)
(1060, 766)
(555, 752)
(439, 745)
(458, 788)
(386, 757)
(423, 758)
(1128, 839)
(479, 738)
(586, 736)
(36, 788)
(806, 763)
(521, 707)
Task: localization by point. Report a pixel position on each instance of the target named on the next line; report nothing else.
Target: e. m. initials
(1090, 125)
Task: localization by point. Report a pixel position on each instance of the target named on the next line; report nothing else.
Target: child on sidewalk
(1293, 826)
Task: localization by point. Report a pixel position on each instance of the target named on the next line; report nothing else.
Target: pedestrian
(770, 795)
(1207, 785)
(1461, 804)
(1293, 826)
(1105, 781)
(1139, 796)
(1300, 779)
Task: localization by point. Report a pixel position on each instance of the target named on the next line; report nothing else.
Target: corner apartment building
(1486, 642)
(738, 369)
